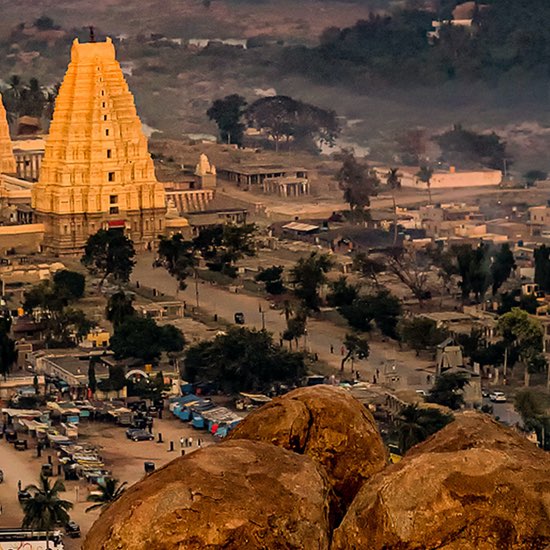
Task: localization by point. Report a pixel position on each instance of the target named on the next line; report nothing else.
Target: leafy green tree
(8, 351)
(179, 257)
(342, 293)
(69, 284)
(358, 182)
(356, 348)
(243, 360)
(533, 407)
(119, 308)
(474, 268)
(522, 334)
(284, 118)
(272, 278)
(116, 381)
(109, 490)
(307, 276)
(466, 148)
(421, 333)
(382, 308)
(502, 266)
(415, 424)
(110, 252)
(222, 246)
(45, 509)
(295, 327)
(142, 338)
(228, 113)
(448, 390)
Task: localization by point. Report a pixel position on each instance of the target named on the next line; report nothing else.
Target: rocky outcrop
(239, 495)
(473, 485)
(328, 425)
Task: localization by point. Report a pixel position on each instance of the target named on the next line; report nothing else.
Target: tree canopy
(227, 113)
(243, 360)
(358, 182)
(286, 119)
(8, 352)
(307, 276)
(110, 252)
(448, 390)
(142, 338)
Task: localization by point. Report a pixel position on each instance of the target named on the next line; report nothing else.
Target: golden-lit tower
(7, 160)
(96, 172)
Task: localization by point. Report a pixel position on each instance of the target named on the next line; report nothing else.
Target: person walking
(331, 348)
(182, 441)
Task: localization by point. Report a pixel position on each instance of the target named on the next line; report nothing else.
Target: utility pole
(263, 318)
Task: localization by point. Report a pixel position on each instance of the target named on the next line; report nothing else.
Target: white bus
(26, 539)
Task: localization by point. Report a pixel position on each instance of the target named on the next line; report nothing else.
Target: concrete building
(286, 186)
(254, 175)
(97, 172)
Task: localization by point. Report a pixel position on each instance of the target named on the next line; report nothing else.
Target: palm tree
(109, 491)
(425, 174)
(45, 509)
(415, 424)
(393, 180)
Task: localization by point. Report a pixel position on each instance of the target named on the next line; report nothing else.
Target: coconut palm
(425, 174)
(45, 509)
(393, 180)
(109, 491)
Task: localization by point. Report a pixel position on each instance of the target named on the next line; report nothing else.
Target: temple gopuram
(97, 172)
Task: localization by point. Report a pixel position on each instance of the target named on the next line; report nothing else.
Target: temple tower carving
(96, 172)
(7, 160)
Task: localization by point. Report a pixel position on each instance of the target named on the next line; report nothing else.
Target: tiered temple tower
(7, 160)
(97, 172)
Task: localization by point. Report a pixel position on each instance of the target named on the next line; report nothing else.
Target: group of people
(186, 442)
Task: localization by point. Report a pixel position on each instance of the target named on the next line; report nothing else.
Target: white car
(497, 397)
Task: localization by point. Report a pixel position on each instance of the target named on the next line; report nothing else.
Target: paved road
(321, 334)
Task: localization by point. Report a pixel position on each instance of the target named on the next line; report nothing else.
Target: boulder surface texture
(328, 425)
(238, 495)
(473, 485)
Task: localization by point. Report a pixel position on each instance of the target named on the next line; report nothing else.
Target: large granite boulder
(474, 484)
(328, 425)
(237, 495)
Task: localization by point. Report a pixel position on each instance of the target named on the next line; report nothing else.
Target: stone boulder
(237, 495)
(474, 484)
(328, 425)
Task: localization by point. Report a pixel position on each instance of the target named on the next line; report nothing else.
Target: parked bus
(27, 539)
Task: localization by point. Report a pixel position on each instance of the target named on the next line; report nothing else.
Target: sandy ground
(124, 457)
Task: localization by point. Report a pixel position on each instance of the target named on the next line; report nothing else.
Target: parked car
(131, 431)
(72, 529)
(142, 435)
(498, 397)
(20, 444)
(485, 393)
(422, 392)
(239, 318)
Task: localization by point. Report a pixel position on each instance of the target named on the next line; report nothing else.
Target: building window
(103, 104)
(108, 153)
(113, 210)
(111, 176)
(66, 229)
(107, 132)
(103, 93)
(104, 117)
(113, 199)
